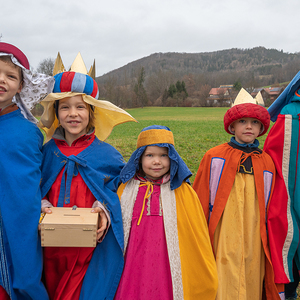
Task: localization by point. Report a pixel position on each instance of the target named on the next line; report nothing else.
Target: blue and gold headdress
(160, 136)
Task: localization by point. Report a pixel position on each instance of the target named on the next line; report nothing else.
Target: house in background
(224, 95)
(220, 96)
(269, 94)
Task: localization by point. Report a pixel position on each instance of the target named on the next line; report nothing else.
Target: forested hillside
(184, 79)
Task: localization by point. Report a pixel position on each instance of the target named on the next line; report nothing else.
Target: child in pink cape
(167, 249)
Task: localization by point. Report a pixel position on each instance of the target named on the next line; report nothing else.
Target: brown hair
(7, 59)
(91, 123)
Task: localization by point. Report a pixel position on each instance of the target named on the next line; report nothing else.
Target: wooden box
(68, 227)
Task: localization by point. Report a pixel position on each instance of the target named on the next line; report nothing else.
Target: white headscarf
(35, 88)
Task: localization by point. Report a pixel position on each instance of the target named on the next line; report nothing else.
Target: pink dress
(146, 273)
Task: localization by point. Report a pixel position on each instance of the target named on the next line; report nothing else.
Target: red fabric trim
(277, 210)
(66, 81)
(77, 146)
(16, 52)
(95, 89)
(3, 294)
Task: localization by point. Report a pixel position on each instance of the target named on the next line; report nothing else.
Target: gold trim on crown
(244, 97)
(58, 65)
(92, 71)
(78, 66)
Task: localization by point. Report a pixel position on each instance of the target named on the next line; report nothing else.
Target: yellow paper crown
(78, 66)
(244, 97)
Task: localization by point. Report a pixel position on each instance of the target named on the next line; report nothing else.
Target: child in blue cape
(80, 169)
(20, 146)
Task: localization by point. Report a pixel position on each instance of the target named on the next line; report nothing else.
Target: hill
(155, 79)
(258, 60)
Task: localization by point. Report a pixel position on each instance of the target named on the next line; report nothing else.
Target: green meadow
(195, 129)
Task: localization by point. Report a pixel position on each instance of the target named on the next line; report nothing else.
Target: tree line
(166, 88)
(170, 87)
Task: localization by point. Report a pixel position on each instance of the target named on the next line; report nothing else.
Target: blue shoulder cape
(284, 98)
(99, 165)
(20, 207)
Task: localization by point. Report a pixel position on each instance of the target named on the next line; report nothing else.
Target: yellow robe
(197, 263)
(240, 257)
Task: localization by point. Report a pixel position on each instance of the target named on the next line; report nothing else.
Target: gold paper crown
(244, 97)
(107, 115)
(77, 66)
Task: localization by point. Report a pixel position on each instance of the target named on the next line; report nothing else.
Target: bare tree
(46, 66)
(203, 94)
(157, 83)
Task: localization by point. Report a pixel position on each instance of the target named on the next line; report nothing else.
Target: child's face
(10, 82)
(155, 162)
(246, 130)
(73, 115)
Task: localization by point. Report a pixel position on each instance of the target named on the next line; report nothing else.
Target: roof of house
(271, 90)
(217, 91)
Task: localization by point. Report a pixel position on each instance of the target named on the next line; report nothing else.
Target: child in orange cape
(167, 250)
(234, 183)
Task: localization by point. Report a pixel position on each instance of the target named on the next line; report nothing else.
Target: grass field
(195, 129)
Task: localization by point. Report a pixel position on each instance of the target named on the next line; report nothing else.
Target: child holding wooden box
(80, 169)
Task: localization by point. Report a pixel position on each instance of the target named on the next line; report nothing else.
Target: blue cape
(179, 171)
(20, 207)
(99, 165)
(284, 98)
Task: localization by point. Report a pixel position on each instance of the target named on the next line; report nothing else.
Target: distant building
(226, 86)
(220, 96)
(269, 94)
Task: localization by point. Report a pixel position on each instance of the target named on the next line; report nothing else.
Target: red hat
(247, 110)
(16, 52)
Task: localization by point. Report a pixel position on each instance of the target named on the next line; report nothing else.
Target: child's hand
(102, 223)
(46, 210)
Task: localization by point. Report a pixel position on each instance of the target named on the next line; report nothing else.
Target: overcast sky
(117, 32)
